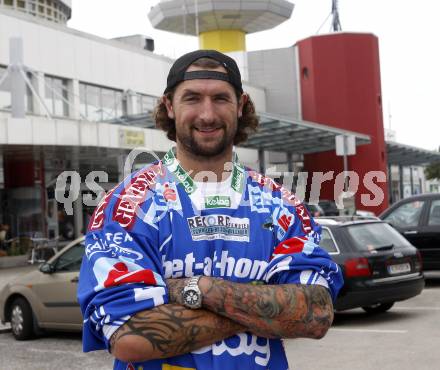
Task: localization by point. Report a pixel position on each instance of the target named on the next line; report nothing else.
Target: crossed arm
(271, 311)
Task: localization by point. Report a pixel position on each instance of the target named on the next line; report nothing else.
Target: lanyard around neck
(173, 165)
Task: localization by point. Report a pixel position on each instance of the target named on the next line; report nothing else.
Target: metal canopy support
(401, 181)
(18, 86)
(390, 184)
(261, 161)
(289, 159)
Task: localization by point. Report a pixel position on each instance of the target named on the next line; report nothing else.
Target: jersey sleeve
(297, 257)
(121, 272)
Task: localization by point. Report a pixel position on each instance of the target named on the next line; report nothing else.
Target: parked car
(417, 218)
(45, 298)
(315, 210)
(380, 267)
(329, 207)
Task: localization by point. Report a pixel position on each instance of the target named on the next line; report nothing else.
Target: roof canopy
(280, 134)
(406, 155)
(277, 134)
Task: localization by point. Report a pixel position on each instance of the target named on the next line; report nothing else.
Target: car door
(407, 219)
(430, 232)
(57, 290)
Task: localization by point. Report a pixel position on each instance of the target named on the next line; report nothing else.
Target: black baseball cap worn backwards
(178, 72)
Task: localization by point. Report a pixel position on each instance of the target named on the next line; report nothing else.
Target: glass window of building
(5, 94)
(100, 103)
(56, 96)
(145, 103)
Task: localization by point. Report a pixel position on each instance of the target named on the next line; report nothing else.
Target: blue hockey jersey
(160, 223)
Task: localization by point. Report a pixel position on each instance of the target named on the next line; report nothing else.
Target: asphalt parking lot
(404, 338)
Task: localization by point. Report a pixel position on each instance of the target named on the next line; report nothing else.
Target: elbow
(321, 322)
(129, 349)
(312, 323)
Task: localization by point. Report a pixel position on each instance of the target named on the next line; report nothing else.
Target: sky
(409, 48)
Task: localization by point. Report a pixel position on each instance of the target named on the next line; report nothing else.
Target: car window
(407, 215)
(327, 243)
(71, 259)
(373, 236)
(434, 213)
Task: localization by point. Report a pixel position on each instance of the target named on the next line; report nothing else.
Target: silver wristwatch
(191, 294)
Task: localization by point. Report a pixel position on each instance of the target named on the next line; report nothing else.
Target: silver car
(45, 298)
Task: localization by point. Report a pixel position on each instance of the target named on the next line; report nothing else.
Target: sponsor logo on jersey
(217, 201)
(304, 217)
(223, 227)
(111, 246)
(284, 219)
(260, 201)
(134, 195)
(116, 271)
(169, 158)
(248, 344)
(120, 274)
(185, 180)
(97, 219)
(292, 245)
(237, 178)
(224, 265)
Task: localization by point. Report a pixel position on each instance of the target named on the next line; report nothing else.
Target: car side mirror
(47, 268)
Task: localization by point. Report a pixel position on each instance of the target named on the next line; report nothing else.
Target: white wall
(60, 51)
(36, 130)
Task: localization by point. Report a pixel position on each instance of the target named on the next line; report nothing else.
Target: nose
(207, 111)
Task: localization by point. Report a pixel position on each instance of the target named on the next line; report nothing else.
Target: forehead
(205, 86)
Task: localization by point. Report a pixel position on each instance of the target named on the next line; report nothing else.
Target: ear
(243, 100)
(168, 106)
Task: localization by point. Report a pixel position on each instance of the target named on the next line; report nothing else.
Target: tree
(432, 171)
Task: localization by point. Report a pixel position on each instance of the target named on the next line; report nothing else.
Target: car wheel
(22, 322)
(378, 307)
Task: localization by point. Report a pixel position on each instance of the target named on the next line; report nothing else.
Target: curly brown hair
(247, 123)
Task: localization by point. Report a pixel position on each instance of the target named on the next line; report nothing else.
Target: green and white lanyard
(173, 165)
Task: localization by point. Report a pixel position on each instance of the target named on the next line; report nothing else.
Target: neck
(211, 169)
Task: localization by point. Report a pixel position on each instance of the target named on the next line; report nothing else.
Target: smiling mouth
(207, 129)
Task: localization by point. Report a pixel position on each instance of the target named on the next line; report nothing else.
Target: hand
(175, 288)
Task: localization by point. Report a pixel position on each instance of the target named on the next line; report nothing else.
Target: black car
(379, 266)
(417, 218)
(329, 207)
(314, 209)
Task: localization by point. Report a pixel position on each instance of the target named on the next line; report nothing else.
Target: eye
(190, 98)
(222, 98)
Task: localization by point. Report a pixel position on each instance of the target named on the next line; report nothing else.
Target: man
(197, 262)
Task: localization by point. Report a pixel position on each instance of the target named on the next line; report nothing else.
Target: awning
(406, 155)
(276, 133)
(280, 134)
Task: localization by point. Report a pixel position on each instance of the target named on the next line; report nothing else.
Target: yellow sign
(131, 138)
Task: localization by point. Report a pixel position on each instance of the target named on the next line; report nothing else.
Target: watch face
(191, 297)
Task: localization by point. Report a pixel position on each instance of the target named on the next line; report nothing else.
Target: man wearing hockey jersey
(197, 262)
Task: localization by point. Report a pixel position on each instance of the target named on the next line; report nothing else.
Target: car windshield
(375, 236)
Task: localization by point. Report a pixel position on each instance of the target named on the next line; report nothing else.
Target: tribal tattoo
(170, 330)
(271, 311)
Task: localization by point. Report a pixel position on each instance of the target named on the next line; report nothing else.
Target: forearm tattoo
(171, 329)
(273, 311)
